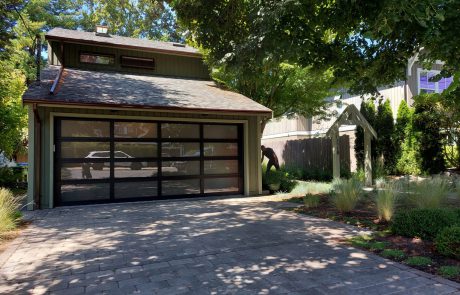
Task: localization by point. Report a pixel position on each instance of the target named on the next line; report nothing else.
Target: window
(97, 58)
(427, 82)
(137, 62)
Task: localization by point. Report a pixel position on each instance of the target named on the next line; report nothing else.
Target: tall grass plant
(346, 194)
(9, 210)
(386, 199)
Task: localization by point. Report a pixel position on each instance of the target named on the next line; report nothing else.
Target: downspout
(37, 158)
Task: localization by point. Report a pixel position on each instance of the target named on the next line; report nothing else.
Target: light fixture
(102, 30)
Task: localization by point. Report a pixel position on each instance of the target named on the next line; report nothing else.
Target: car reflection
(117, 155)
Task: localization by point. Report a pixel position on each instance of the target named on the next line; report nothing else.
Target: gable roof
(74, 36)
(113, 89)
(351, 116)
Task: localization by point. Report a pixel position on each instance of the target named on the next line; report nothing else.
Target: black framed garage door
(102, 160)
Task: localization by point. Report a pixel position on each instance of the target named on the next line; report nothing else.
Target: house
(122, 119)
(301, 142)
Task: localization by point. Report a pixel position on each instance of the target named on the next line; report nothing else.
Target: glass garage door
(99, 161)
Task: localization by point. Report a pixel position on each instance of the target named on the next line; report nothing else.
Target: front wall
(251, 143)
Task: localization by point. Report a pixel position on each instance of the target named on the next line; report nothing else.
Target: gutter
(37, 158)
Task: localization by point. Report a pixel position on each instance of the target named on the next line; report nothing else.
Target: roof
(75, 36)
(113, 89)
(351, 116)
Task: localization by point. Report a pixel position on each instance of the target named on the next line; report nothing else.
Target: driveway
(231, 246)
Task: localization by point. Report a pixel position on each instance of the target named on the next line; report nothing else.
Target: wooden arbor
(352, 116)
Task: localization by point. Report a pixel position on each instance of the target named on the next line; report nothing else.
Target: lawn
(319, 199)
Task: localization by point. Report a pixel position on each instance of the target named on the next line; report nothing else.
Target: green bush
(418, 261)
(448, 241)
(9, 206)
(347, 193)
(423, 223)
(311, 201)
(11, 177)
(386, 200)
(393, 254)
(429, 193)
(449, 271)
(280, 179)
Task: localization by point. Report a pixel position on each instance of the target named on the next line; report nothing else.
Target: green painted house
(116, 119)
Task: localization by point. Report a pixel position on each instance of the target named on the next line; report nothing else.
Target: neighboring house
(122, 119)
(300, 141)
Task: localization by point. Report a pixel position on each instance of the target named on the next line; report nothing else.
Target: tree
(386, 148)
(368, 110)
(427, 125)
(408, 157)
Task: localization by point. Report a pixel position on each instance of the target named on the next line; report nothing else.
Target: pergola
(352, 116)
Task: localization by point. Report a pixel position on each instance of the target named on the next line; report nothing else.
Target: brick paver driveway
(233, 246)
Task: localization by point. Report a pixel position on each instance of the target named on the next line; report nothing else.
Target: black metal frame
(58, 161)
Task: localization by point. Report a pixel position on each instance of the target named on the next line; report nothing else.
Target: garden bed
(414, 252)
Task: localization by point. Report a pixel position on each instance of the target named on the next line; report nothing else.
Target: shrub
(288, 183)
(9, 206)
(311, 201)
(279, 180)
(449, 271)
(429, 193)
(386, 200)
(11, 176)
(378, 246)
(393, 254)
(312, 187)
(361, 241)
(347, 193)
(448, 241)
(418, 261)
(423, 223)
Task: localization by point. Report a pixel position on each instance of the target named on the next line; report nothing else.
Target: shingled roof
(83, 87)
(60, 34)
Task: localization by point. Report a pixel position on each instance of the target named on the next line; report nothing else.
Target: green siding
(253, 157)
(167, 65)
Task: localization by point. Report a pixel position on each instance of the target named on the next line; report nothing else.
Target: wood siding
(165, 65)
(252, 174)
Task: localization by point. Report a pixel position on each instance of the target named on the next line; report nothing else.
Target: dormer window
(137, 62)
(102, 31)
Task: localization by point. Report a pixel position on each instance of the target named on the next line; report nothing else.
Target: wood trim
(131, 47)
(142, 107)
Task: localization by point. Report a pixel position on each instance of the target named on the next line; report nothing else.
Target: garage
(107, 160)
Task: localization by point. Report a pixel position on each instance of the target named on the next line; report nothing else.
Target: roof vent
(102, 31)
(178, 45)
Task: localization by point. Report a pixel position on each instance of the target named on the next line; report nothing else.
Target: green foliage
(346, 194)
(9, 205)
(279, 181)
(362, 241)
(301, 173)
(406, 146)
(9, 177)
(418, 261)
(311, 201)
(368, 110)
(393, 254)
(423, 223)
(312, 187)
(427, 125)
(448, 241)
(378, 246)
(429, 193)
(386, 200)
(449, 271)
(385, 147)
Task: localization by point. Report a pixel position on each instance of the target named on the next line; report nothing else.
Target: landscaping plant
(448, 241)
(386, 200)
(429, 193)
(418, 261)
(346, 194)
(311, 201)
(393, 253)
(449, 271)
(9, 214)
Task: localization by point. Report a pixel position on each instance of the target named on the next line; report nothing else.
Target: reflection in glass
(220, 149)
(135, 169)
(180, 168)
(75, 128)
(135, 130)
(220, 166)
(220, 131)
(93, 150)
(221, 185)
(169, 130)
(180, 187)
(71, 171)
(180, 149)
(127, 150)
(85, 192)
(125, 190)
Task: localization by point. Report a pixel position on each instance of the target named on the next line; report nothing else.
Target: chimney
(102, 30)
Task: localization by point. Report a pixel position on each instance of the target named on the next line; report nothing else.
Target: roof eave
(267, 114)
(107, 44)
